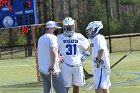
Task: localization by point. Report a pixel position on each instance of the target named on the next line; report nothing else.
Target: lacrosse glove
(85, 55)
(98, 63)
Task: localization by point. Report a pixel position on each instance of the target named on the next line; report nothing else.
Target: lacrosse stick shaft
(51, 83)
(91, 75)
(41, 24)
(120, 59)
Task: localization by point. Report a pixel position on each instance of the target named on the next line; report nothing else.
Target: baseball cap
(51, 24)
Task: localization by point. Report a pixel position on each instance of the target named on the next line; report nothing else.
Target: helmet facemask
(89, 32)
(69, 30)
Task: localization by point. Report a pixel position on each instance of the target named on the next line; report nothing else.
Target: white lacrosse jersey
(71, 48)
(45, 43)
(97, 43)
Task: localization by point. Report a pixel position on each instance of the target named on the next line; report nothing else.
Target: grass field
(19, 75)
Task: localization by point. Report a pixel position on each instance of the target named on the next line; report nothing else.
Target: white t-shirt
(71, 48)
(45, 43)
(97, 43)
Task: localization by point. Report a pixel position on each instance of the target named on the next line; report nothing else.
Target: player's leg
(105, 91)
(101, 90)
(58, 83)
(105, 84)
(46, 83)
(75, 89)
(97, 78)
(98, 90)
(67, 88)
(78, 78)
(67, 75)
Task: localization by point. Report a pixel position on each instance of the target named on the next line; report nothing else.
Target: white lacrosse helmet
(93, 28)
(68, 26)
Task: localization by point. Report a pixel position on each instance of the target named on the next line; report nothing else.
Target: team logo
(8, 21)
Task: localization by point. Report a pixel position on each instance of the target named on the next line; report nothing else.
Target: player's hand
(85, 55)
(60, 57)
(51, 69)
(97, 63)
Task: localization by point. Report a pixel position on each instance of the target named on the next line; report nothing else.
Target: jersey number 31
(71, 49)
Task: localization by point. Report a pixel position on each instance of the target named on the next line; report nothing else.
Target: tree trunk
(44, 12)
(118, 10)
(70, 8)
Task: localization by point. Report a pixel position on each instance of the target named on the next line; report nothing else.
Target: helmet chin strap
(95, 35)
(92, 36)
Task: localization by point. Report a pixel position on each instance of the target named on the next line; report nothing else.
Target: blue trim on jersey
(100, 79)
(83, 79)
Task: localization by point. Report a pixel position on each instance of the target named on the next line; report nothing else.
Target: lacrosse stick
(51, 84)
(90, 85)
(90, 75)
(120, 59)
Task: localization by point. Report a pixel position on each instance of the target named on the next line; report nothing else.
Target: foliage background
(123, 15)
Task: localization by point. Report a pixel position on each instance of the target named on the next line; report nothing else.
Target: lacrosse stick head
(85, 55)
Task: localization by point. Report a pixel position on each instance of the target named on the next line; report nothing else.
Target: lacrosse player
(48, 60)
(100, 55)
(71, 46)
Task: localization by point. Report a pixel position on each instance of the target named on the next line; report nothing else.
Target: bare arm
(53, 59)
(100, 53)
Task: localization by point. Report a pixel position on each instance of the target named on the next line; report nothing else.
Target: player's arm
(53, 59)
(86, 49)
(86, 53)
(60, 57)
(100, 53)
(90, 46)
(97, 59)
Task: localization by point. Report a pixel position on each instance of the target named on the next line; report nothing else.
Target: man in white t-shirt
(48, 60)
(71, 46)
(100, 56)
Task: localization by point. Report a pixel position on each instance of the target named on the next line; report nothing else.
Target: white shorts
(73, 75)
(101, 79)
